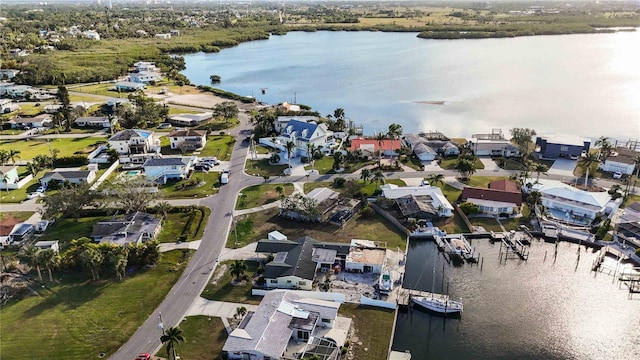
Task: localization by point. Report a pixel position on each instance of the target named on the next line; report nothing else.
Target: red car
(143, 356)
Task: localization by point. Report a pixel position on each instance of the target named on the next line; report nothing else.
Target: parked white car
(617, 175)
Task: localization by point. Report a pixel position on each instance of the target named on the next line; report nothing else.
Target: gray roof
(129, 133)
(66, 175)
(165, 162)
(92, 119)
(495, 146)
(269, 329)
(127, 229)
(634, 206)
(297, 262)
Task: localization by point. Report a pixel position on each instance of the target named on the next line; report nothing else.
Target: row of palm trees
(11, 154)
(375, 176)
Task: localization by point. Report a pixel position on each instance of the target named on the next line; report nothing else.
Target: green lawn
(175, 226)
(263, 168)
(325, 165)
(449, 163)
(258, 195)
(262, 150)
(452, 194)
(68, 229)
(219, 146)
(30, 148)
(19, 195)
(452, 225)
(17, 215)
(509, 164)
(373, 327)
(74, 318)
(253, 227)
(32, 109)
(220, 287)
(513, 224)
(176, 111)
(489, 224)
(483, 181)
(367, 189)
(204, 338)
(207, 185)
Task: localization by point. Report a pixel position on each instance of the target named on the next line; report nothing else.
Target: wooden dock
(405, 295)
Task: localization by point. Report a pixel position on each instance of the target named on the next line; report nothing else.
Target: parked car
(204, 165)
(617, 175)
(41, 189)
(224, 178)
(164, 126)
(226, 171)
(34, 195)
(143, 356)
(200, 168)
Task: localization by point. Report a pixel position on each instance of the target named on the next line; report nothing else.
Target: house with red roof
(388, 146)
(502, 197)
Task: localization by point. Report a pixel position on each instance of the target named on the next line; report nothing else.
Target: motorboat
(385, 283)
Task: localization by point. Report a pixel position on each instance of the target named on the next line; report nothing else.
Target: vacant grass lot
(263, 168)
(450, 163)
(30, 148)
(452, 225)
(483, 181)
(75, 318)
(204, 338)
(69, 229)
(325, 165)
(489, 224)
(258, 195)
(219, 146)
(253, 227)
(208, 183)
(175, 225)
(373, 328)
(368, 188)
(17, 215)
(221, 289)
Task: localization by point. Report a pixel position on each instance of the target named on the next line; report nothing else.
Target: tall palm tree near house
(311, 150)
(395, 131)
(606, 148)
(365, 174)
(380, 137)
(378, 177)
(240, 312)
(4, 157)
(32, 256)
(290, 148)
(13, 155)
(163, 208)
(435, 179)
(586, 162)
(5, 179)
(540, 169)
(50, 260)
(171, 337)
(238, 267)
(636, 162)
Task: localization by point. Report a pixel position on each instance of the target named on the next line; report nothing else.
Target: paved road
(201, 266)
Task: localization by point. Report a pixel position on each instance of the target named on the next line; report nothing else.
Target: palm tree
(435, 179)
(290, 147)
(4, 156)
(311, 150)
(586, 162)
(163, 207)
(365, 174)
(395, 131)
(378, 177)
(380, 137)
(240, 312)
(171, 337)
(280, 191)
(605, 147)
(238, 268)
(92, 259)
(13, 155)
(50, 260)
(465, 168)
(5, 179)
(540, 169)
(33, 257)
(636, 162)
(32, 168)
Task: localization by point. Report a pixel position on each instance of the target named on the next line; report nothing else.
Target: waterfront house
(133, 228)
(302, 133)
(102, 122)
(627, 227)
(142, 66)
(145, 77)
(190, 119)
(622, 160)
(328, 206)
(187, 140)
(566, 203)
(427, 145)
(295, 262)
(425, 194)
(163, 169)
(8, 175)
(502, 197)
(282, 121)
(502, 148)
(365, 257)
(286, 322)
(132, 141)
(129, 86)
(43, 120)
(388, 147)
(561, 146)
(71, 177)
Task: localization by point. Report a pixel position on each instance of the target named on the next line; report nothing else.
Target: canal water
(573, 84)
(513, 309)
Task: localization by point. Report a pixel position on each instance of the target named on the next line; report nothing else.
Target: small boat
(440, 304)
(385, 283)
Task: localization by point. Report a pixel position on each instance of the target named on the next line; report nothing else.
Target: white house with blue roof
(303, 133)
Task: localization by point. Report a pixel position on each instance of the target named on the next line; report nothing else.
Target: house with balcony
(289, 325)
(622, 160)
(133, 228)
(187, 139)
(132, 141)
(561, 146)
(145, 77)
(146, 66)
(568, 204)
(165, 168)
(302, 133)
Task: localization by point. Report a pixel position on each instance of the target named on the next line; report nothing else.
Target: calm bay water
(574, 84)
(513, 309)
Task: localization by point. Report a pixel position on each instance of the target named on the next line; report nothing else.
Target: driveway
(563, 167)
(489, 164)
